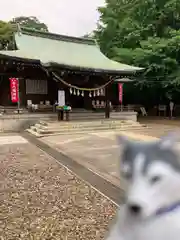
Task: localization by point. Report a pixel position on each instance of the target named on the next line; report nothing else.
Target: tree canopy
(144, 33)
(6, 34)
(7, 29)
(30, 22)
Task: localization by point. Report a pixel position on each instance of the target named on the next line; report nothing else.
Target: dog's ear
(122, 140)
(169, 141)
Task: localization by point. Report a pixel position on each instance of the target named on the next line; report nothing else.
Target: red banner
(14, 89)
(120, 89)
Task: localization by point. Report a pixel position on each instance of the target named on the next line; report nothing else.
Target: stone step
(44, 128)
(34, 133)
(37, 134)
(85, 129)
(50, 130)
(80, 126)
(83, 125)
(87, 122)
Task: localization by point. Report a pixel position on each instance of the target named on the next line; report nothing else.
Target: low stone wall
(19, 122)
(124, 115)
(129, 115)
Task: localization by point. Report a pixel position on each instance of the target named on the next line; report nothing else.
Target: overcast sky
(71, 17)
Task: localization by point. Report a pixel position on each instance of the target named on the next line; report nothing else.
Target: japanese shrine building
(45, 63)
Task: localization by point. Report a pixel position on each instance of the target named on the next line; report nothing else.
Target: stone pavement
(40, 199)
(96, 151)
(99, 151)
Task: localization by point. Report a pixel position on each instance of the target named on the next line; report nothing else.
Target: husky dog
(152, 204)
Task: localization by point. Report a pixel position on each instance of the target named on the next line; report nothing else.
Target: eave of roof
(123, 80)
(64, 51)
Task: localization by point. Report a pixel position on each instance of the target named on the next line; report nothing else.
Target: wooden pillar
(22, 92)
(107, 102)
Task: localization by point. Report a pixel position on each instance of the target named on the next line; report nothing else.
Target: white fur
(137, 187)
(151, 197)
(165, 227)
(139, 163)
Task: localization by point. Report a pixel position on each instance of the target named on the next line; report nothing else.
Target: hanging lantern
(94, 93)
(78, 93)
(90, 95)
(70, 90)
(98, 93)
(74, 92)
(82, 93)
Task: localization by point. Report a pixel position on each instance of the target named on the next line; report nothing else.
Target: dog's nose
(135, 209)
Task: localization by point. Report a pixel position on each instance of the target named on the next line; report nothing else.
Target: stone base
(19, 122)
(124, 116)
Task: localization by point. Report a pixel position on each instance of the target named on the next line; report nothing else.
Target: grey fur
(152, 152)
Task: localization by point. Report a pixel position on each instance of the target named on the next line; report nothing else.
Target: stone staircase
(50, 128)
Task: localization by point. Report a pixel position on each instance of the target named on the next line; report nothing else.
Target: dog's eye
(127, 175)
(126, 172)
(155, 179)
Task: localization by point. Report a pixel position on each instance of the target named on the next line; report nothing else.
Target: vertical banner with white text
(120, 90)
(14, 88)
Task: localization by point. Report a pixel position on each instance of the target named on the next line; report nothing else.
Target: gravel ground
(39, 199)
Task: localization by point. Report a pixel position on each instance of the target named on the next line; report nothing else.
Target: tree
(6, 36)
(30, 22)
(7, 30)
(146, 34)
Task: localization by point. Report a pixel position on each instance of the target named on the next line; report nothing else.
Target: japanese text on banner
(14, 89)
(120, 89)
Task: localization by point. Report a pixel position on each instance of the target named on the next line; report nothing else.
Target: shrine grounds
(62, 187)
(40, 199)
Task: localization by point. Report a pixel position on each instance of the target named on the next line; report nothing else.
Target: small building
(45, 63)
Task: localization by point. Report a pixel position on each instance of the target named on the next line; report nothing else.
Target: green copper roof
(65, 51)
(19, 55)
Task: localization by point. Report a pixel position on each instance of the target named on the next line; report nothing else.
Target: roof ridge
(55, 36)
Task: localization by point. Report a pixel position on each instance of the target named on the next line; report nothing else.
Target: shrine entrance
(77, 101)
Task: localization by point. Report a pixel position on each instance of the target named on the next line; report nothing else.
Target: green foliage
(7, 29)
(30, 22)
(6, 35)
(144, 33)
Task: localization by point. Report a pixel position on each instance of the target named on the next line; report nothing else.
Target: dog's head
(152, 171)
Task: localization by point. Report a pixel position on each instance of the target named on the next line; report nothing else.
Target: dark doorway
(77, 101)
